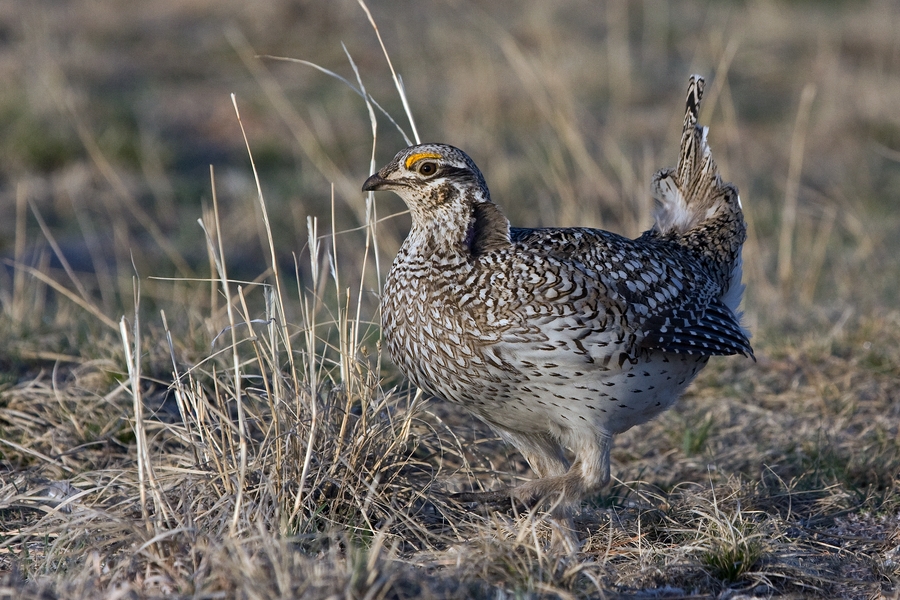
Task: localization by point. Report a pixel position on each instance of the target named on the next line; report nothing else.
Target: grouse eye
(427, 168)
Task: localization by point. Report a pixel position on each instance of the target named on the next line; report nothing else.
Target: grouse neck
(443, 232)
(482, 230)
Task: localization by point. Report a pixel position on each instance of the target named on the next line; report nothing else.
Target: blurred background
(112, 113)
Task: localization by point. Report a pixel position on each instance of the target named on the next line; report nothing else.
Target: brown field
(197, 411)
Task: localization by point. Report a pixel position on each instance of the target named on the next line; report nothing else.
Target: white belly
(564, 402)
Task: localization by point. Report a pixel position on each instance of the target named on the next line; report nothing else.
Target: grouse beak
(374, 183)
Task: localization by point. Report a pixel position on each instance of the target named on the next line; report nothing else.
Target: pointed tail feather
(693, 192)
(692, 144)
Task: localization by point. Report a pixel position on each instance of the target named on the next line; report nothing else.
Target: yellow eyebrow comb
(414, 158)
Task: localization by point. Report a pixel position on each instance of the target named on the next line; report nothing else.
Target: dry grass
(238, 434)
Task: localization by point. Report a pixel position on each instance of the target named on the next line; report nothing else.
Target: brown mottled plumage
(561, 338)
